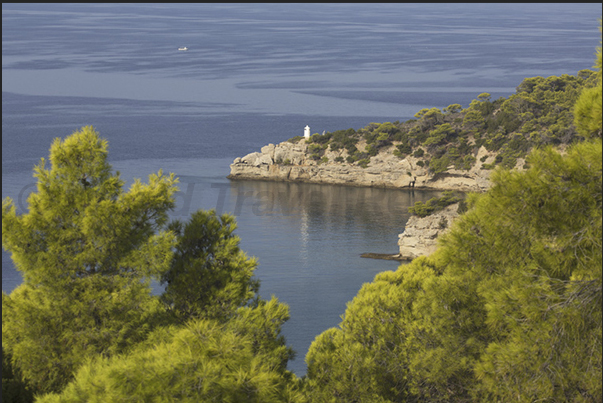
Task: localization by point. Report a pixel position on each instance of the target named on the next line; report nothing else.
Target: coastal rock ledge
(292, 162)
(420, 234)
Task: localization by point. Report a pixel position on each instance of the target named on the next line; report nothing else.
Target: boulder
(250, 158)
(268, 150)
(264, 159)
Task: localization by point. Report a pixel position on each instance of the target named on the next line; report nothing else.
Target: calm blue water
(257, 74)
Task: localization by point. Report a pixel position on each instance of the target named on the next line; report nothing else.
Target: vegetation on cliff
(538, 114)
(435, 204)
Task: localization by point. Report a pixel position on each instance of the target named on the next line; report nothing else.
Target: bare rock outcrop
(292, 162)
(420, 234)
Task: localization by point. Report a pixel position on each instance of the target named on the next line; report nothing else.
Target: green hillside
(538, 114)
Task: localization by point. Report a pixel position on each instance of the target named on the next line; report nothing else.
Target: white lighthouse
(307, 132)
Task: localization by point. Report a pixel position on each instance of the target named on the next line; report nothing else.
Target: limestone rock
(250, 159)
(291, 162)
(265, 159)
(420, 235)
(268, 150)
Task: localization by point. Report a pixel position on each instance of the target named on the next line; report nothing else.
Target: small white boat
(183, 48)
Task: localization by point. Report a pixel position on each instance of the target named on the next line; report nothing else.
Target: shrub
(364, 162)
(462, 207)
(320, 138)
(437, 165)
(314, 148)
(404, 148)
(509, 161)
(418, 153)
(434, 204)
(465, 163)
(371, 150)
(351, 148)
(295, 139)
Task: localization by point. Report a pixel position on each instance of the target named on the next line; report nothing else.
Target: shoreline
(348, 184)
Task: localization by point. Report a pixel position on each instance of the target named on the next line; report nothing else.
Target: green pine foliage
(366, 359)
(543, 304)
(434, 204)
(507, 309)
(242, 360)
(587, 110)
(14, 388)
(209, 275)
(88, 251)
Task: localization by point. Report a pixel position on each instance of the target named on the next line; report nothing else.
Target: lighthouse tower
(307, 132)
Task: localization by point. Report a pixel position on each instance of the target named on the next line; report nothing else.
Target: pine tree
(240, 360)
(87, 251)
(587, 111)
(209, 275)
(509, 308)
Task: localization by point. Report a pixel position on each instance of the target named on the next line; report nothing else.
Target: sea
(255, 74)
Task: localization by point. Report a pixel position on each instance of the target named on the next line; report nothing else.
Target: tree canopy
(209, 275)
(202, 361)
(88, 251)
(587, 111)
(509, 307)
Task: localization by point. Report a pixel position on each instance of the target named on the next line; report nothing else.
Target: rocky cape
(288, 161)
(292, 162)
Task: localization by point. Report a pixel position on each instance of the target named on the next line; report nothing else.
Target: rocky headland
(291, 162)
(288, 161)
(454, 148)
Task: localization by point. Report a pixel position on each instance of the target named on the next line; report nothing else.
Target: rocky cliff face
(291, 162)
(420, 234)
